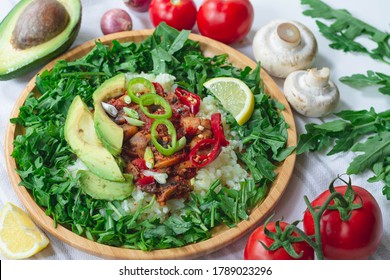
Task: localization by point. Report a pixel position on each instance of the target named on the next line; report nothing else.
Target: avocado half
(108, 131)
(16, 62)
(81, 136)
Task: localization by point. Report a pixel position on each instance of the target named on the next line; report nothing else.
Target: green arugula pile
(42, 154)
(344, 31)
(348, 133)
(366, 133)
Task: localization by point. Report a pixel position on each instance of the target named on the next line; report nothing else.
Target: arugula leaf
(347, 134)
(344, 31)
(346, 131)
(375, 149)
(381, 170)
(376, 156)
(371, 79)
(179, 41)
(178, 225)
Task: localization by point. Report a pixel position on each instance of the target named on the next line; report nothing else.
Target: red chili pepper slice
(146, 180)
(159, 89)
(140, 164)
(216, 126)
(188, 98)
(204, 152)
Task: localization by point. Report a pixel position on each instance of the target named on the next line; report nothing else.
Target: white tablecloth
(313, 172)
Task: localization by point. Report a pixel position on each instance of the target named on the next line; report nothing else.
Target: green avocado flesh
(15, 61)
(81, 137)
(99, 188)
(108, 131)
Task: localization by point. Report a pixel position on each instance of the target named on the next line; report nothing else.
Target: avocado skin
(98, 188)
(41, 61)
(108, 131)
(81, 136)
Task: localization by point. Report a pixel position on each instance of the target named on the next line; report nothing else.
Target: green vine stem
(317, 224)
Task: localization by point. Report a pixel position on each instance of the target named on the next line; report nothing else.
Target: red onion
(138, 5)
(115, 20)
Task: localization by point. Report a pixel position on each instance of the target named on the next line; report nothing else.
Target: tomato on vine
(347, 232)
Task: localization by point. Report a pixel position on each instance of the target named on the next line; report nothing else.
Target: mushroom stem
(318, 78)
(289, 34)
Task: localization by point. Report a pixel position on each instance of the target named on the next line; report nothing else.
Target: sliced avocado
(108, 131)
(99, 188)
(81, 137)
(27, 42)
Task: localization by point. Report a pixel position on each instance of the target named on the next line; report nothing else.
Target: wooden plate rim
(220, 240)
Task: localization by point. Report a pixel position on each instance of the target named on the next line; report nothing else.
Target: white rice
(77, 165)
(225, 167)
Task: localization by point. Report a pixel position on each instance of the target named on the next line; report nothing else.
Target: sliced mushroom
(284, 46)
(311, 93)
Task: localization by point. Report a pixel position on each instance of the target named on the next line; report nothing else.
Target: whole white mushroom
(311, 93)
(284, 46)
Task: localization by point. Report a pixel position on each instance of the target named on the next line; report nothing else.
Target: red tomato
(179, 14)
(227, 21)
(255, 251)
(357, 238)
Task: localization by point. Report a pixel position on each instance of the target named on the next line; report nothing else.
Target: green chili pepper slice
(181, 144)
(171, 131)
(139, 86)
(154, 99)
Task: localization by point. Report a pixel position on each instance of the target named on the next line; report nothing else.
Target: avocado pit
(41, 21)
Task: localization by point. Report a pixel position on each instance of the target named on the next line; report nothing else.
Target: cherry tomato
(255, 251)
(357, 238)
(227, 21)
(179, 14)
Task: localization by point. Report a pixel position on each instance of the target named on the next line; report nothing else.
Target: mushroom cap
(284, 46)
(311, 93)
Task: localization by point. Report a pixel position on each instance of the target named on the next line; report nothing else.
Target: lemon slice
(234, 95)
(20, 238)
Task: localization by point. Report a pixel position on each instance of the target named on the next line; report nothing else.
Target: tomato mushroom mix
(164, 141)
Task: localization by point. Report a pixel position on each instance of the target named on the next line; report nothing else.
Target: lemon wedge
(20, 238)
(234, 95)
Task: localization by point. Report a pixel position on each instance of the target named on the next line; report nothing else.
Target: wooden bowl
(222, 235)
